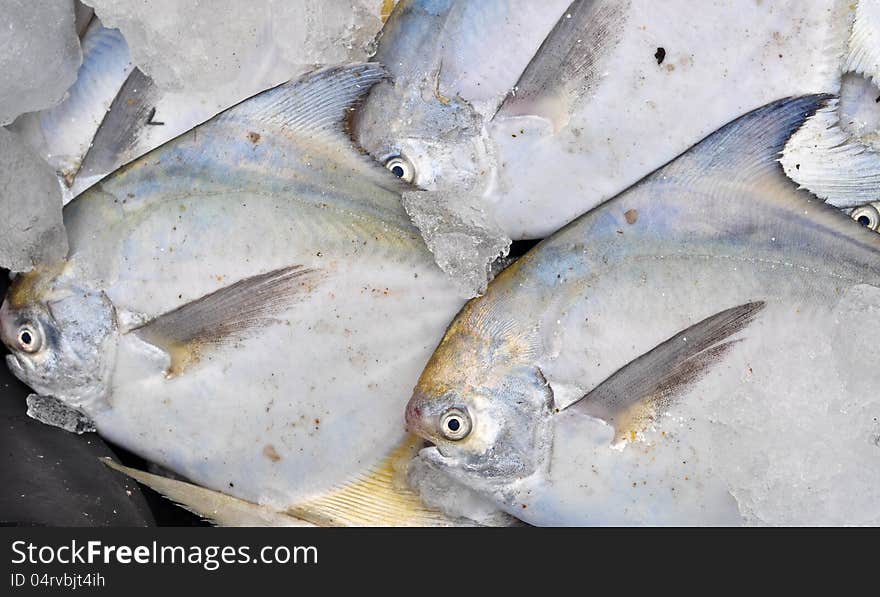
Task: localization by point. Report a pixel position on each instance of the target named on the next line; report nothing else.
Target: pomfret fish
(685, 353)
(614, 90)
(248, 306)
(452, 63)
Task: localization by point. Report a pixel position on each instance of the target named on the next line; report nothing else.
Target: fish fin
(117, 137)
(269, 139)
(744, 153)
(378, 498)
(381, 497)
(569, 63)
(864, 41)
(831, 163)
(316, 105)
(638, 392)
(215, 506)
(225, 315)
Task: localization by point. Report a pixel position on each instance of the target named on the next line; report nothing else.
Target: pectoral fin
(641, 390)
(226, 315)
(569, 64)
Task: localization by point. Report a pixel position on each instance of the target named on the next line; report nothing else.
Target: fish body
(669, 356)
(243, 304)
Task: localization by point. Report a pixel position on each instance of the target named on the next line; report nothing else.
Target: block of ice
(31, 230)
(40, 57)
(199, 45)
(808, 445)
(52, 411)
(439, 491)
(464, 239)
(63, 134)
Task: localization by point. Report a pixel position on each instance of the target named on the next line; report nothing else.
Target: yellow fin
(380, 497)
(377, 498)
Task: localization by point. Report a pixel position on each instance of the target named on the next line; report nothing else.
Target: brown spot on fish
(253, 137)
(631, 215)
(271, 453)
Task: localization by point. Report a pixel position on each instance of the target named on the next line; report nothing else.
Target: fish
(673, 356)
(452, 63)
(247, 306)
(597, 106)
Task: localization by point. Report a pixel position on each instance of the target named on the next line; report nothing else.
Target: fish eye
(401, 168)
(868, 216)
(455, 424)
(29, 340)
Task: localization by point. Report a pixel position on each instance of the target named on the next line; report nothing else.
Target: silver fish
(452, 63)
(674, 355)
(247, 306)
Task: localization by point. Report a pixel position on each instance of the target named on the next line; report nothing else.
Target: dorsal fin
(748, 148)
(864, 41)
(833, 164)
(314, 105)
(295, 131)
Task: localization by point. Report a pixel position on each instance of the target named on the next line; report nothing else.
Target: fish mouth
(432, 455)
(15, 365)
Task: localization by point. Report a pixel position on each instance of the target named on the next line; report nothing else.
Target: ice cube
(31, 230)
(464, 239)
(803, 448)
(440, 491)
(198, 45)
(51, 411)
(40, 57)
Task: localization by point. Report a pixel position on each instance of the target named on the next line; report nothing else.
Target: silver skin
(720, 226)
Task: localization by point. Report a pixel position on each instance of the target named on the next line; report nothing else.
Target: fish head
(59, 336)
(483, 406)
(427, 139)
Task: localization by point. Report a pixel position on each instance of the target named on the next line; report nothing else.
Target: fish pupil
(26, 338)
(398, 171)
(453, 424)
(864, 220)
